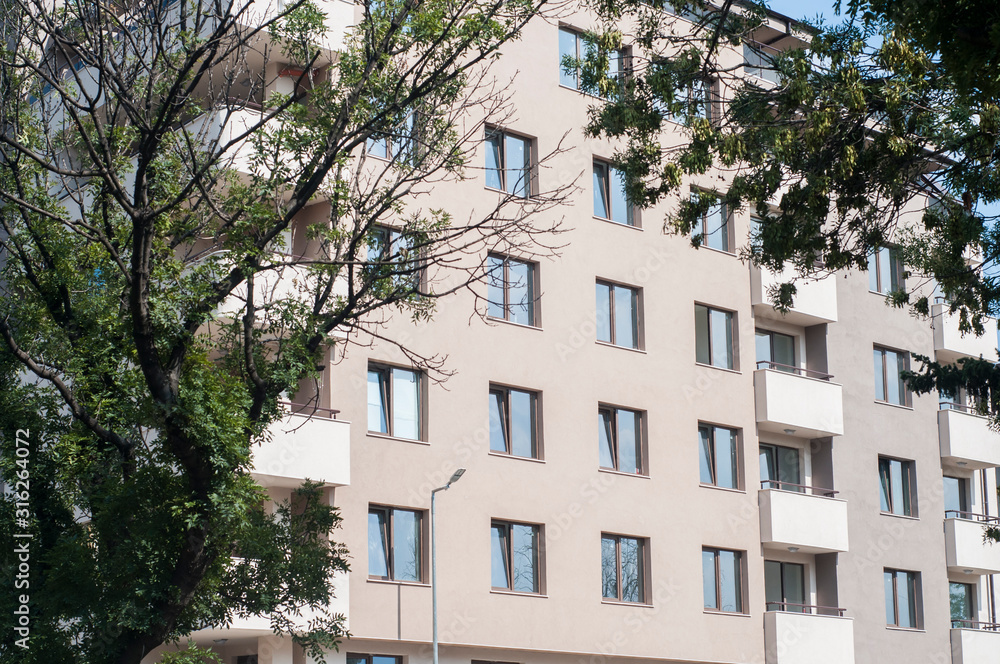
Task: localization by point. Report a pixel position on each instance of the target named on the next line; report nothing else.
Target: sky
(804, 8)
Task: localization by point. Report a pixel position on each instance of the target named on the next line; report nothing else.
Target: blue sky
(804, 8)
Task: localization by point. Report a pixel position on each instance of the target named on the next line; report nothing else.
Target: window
(511, 290)
(777, 349)
(901, 602)
(885, 271)
(618, 315)
(353, 658)
(784, 586)
(515, 555)
(695, 101)
(722, 572)
(896, 486)
(573, 49)
(712, 228)
(391, 254)
(394, 401)
(610, 201)
(395, 544)
(513, 422)
(780, 468)
(956, 496)
(623, 568)
(508, 162)
(401, 143)
(714, 337)
(719, 456)
(620, 439)
(756, 63)
(963, 606)
(889, 384)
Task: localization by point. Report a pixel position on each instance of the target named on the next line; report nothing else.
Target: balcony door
(780, 468)
(776, 348)
(784, 586)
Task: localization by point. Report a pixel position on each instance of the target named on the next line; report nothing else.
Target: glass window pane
(524, 543)
(703, 353)
(405, 545)
(960, 595)
(722, 339)
(377, 420)
(884, 482)
(631, 570)
(498, 556)
(378, 147)
(606, 441)
(793, 577)
(784, 349)
(789, 468)
(628, 442)
(518, 152)
(405, 404)
(726, 458)
(626, 332)
(494, 161)
(897, 498)
(772, 586)
(522, 423)
(730, 582)
(873, 272)
(904, 599)
(709, 580)
(900, 382)
(716, 228)
(620, 209)
(896, 270)
(885, 270)
(520, 296)
(890, 599)
(378, 548)
(498, 428)
(567, 49)
(893, 392)
(879, 375)
(495, 287)
(601, 200)
(705, 464)
(609, 568)
(762, 344)
(768, 466)
(604, 312)
(952, 496)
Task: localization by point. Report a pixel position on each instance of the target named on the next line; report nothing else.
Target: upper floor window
(784, 586)
(395, 549)
(896, 494)
(759, 64)
(573, 49)
(962, 598)
(610, 201)
(885, 271)
(511, 290)
(623, 568)
(902, 598)
(354, 658)
(394, 401)
(889, 384)
(515, 556)
(513, 422)
(956, 497)
(620, 439)
(713, 228)
(719, 457)
(776, 349)
(780, 468)
(399, 144)
(696, 100)
(722, 574)
(508, 162)
(391, 254)
(714, 337)
(618, 314)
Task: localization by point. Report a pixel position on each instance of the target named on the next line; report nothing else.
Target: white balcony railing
(805, 519)
(807, 638)
(302, 447)
(966, 438)
(797, 402)
(966, 549)
(949, 342)
(815, 300)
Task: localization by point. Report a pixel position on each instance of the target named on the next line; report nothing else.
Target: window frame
(406, 274)
(908, 488)
(971, 604)
(964, 494)
(733, 338)
(686, 96)
(702, 223)
(538, 554)
(622, 55)
(501, 134)
(533, 309)
(771, 334)
(778, 455)
(503, 391)
(640, 433)
(762, 69)
(907, 395)
(388, 399)
(390, 543)
(713, 460)
(642, 583)
(604, 182)
(784, 593)
(402, 144)
(914, 586)
(611, 315)
(896, 268)
(741, 593)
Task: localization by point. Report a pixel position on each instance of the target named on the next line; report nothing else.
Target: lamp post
(434, 586)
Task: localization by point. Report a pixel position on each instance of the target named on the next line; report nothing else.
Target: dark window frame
(402, 144)
(538, 553)
(714, 467)
(503, 392)
(533, 310)
(390, 544)
(914, 587)
(733, 341)
(386, 393)
(642, 583)
(907, 395)
(528, 170)
(742, 581)
(784, 603)
(604, 182)
(908, 488)
(406, 274)
(640, 431)
(883, 282)
(637, 318)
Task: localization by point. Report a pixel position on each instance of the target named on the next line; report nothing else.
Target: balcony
(965, 549)
(303, 447)
(949, 342)
(798, 402)
(966, 438)
(801, 517)
(815, 300)
(974, 642)
(808, 638)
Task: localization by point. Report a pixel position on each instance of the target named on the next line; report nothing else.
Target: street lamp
(434, 586)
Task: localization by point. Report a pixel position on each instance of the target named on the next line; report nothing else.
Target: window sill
(611, 345)
(612, 471)
(893, 628)
(382, 436)
(514, 456)
(511, 195)
(900, 516)
(715, 612)
(493, 319)
(722, 488)
(894, 405)
(613, 602)
(618, 223)
(390, 582)
(712, 366)
(501, 591)
(718, 251)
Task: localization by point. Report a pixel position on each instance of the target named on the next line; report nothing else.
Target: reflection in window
(712, 227)
(515, 558)
(777, 349)
(400, 143)
(718, 456)
(758, 64)
(895, 486)
(722, 573)
(394, 401)
(620, 439)
(780, 468)
(394, 544)
(885, 271)
(963, 607)
(956, 496)
(889, 384)
(900, 598)
(714, 337)
(623, 568)
(508, 163)
(513, 422)
(618, 315)
(610, 201)
(511, 290)
(784, 586)
(391, 255)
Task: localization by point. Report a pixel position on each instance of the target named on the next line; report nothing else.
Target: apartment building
(659, 466)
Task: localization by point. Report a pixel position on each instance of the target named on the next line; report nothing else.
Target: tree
(831, 143)
(191, 219)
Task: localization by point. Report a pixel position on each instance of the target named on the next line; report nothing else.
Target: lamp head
(456, 475)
